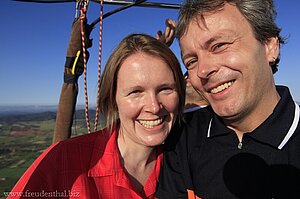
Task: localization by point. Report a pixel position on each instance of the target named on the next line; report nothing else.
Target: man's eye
(219, 47)
(190, 63)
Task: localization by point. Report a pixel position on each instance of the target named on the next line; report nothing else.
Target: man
(246, 144)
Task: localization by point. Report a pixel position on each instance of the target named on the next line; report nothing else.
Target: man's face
(228, 65)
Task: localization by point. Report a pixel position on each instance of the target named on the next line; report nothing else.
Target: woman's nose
(153, 104)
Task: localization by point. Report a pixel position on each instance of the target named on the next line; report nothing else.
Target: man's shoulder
(199, 119)
(191, 131)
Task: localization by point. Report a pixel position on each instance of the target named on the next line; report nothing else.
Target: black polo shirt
(205, 156)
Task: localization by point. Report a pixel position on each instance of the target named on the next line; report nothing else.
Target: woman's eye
(167, 89)
(134, 92)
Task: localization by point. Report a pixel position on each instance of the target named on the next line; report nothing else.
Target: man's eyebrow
(211, 40)
(187, 56)
(206, 46)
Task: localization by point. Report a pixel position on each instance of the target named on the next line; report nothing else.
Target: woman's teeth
(151, 123)
(221, 87)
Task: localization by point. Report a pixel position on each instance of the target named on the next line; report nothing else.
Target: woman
(141, 101)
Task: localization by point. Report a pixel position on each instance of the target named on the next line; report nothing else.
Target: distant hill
(10, 115)
(15, 110)
(25, 109)
(23, 117)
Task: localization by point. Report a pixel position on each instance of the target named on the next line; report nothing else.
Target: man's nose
(205, 66)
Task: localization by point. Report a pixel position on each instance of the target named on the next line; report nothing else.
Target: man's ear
(272, 48)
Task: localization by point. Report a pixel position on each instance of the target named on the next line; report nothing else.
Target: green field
(22, 140)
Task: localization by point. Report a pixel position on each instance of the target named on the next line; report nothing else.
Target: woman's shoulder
(82, 143)
(88, 138)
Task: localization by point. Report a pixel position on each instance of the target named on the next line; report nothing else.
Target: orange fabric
(191, 195)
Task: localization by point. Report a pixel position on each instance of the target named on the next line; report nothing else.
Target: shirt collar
(282, 122)
(105, 150)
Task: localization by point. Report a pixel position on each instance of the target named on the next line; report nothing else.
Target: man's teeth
(221, 87)
(151, 123)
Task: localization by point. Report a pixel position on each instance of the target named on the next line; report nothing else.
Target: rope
(99, 65)
(82, 18)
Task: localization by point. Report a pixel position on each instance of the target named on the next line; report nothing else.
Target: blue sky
(34, 39)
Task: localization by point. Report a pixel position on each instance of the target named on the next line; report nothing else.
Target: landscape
(25, 132)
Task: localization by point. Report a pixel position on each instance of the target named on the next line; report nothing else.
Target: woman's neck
(138, 160)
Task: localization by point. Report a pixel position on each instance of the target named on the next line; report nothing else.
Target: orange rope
(82, 18)
(82, 28)
(99, 65)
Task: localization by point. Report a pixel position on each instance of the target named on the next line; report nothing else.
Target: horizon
(45, 107)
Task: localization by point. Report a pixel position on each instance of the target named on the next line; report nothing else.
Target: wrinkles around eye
(189, 64)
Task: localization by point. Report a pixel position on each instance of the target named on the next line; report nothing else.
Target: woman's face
(147, 99)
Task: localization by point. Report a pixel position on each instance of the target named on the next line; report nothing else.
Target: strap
(76, 63)
(70, 79)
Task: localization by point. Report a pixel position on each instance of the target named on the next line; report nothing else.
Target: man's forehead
(218, 24)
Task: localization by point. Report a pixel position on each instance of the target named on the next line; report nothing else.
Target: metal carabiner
(81, 7)
(84, 5)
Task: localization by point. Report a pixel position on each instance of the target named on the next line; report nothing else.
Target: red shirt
(86, 166)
